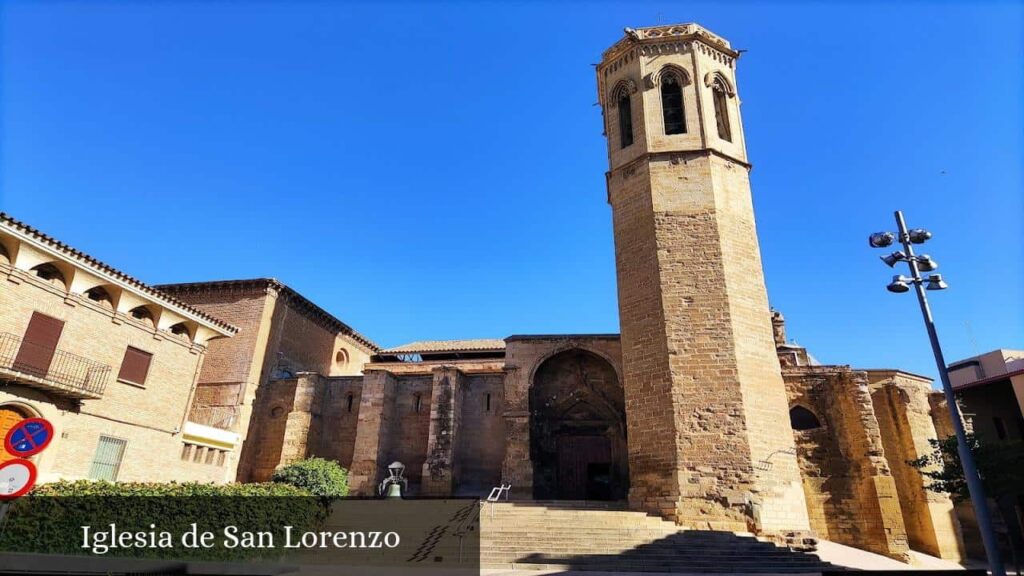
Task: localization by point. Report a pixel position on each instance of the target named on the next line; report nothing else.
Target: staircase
(605, 536)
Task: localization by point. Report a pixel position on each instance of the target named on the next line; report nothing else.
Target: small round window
(276, 412)
(341, 358)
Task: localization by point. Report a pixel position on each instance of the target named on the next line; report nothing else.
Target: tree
(1001, 467)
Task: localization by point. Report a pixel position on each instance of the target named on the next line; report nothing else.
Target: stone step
(625, 543)
(608, 537)
(653, 558)
(644, 568)
(668, 563)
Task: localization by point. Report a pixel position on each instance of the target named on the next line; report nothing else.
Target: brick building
(110, 361)
(683, 415)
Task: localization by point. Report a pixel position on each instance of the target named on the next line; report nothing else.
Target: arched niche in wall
(802, 419)
(51, 273)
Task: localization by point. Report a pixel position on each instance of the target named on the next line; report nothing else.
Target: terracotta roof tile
(428, 346)
(89, 261)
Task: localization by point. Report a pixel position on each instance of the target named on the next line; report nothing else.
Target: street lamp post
(934, 282)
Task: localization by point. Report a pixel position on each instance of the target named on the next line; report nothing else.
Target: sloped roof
(431, 346)
(88, 262)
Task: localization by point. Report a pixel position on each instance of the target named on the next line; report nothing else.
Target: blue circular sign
(28, 437)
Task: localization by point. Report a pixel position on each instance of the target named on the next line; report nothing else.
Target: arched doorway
(9, 416)
(578, 429)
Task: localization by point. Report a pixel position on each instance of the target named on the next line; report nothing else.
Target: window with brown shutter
(39, 345)
(135, 366)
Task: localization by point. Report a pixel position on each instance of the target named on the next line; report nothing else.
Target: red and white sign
(16, 478)
(28, 437)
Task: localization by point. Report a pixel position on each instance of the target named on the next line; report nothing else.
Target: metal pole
(974, 486)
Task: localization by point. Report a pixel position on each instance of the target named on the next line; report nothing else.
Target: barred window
(107, 461)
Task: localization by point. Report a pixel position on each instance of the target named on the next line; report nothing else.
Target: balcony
(223, 417)
(212, 426)
(53, 370)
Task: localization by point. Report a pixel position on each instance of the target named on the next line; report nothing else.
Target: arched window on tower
(625, 110)
(720, 96)
(672, 103)
(803, 419)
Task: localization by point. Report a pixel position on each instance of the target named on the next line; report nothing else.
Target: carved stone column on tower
(439, 469)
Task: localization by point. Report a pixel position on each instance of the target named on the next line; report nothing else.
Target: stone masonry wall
(479, 451)
(340, 400)
(851, 495)
(904, 416)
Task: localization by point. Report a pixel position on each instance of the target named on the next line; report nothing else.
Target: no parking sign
(26, 438)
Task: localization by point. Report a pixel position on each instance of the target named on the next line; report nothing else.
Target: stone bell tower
(710, 443)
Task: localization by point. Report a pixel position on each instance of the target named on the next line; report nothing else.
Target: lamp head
(926, 264)
(898, 284)
(919, 236)
(881, 239)
(396, 469)
(892, 259)
(935, 282)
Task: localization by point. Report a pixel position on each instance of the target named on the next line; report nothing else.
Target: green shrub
(50, 518)
(323, 478)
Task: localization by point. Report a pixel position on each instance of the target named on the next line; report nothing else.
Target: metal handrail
(65, 371)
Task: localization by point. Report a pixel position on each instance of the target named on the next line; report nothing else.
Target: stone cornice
(655, 39)
(629, 168)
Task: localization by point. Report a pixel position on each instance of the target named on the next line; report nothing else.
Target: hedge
(50, 518)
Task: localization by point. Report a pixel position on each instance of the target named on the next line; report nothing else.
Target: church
(700, 411)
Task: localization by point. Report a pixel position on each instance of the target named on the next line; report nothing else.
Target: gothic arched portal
(578, 429)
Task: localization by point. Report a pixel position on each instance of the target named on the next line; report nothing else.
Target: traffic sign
(28, 437)
(16, 478)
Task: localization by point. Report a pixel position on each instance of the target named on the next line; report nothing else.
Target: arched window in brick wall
(101, 296)
(181, 329)
(51, 274)
(142, 313)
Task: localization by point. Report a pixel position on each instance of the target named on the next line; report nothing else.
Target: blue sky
(431, 171)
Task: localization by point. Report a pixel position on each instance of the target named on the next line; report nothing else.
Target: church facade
(700, 410)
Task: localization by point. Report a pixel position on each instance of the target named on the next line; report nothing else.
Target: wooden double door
(584, 467)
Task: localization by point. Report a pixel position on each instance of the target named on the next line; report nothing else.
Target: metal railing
(55, 369)
(223, 417)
